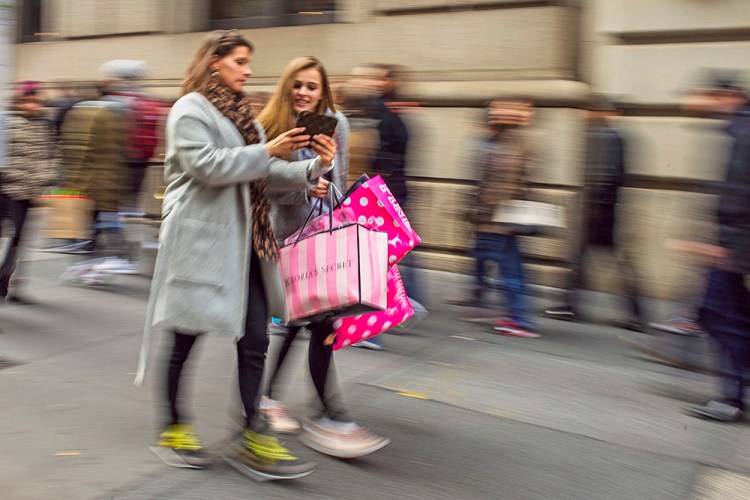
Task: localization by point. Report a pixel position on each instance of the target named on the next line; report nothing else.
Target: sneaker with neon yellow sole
(179, 446)
(263, 458)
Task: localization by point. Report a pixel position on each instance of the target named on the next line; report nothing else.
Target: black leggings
(251, 351)
(322, 368)
(15, 211)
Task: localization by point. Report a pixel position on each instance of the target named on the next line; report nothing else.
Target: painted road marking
(68, 454)
(412, 395)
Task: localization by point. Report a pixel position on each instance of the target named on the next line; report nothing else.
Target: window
(229, 14)
(30, 20)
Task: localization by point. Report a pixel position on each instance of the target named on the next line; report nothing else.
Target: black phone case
(315, 123)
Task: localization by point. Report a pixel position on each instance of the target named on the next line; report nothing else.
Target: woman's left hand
(324, 147)
(321, 190)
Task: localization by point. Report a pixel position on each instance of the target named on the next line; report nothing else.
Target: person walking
(93, 138)
(31, 164)
(215, 270)
(305, 86)
(390, 162)
(604, 176)
(725, 311)
(504, 174)
(144, 114)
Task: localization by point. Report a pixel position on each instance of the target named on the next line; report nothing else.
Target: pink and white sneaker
(277, 416)
(513, 329)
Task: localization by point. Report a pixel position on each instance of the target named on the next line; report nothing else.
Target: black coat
(605, 171)
(734, 200)
(390, 159)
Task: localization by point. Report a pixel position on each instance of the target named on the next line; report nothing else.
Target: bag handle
(319, 205)
(355, 185)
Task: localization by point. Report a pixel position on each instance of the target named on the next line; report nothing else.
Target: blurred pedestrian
(713, 97)
(121, 83)
(305, 86)
(357, 103)
(390, 161)
(65, 100)
(31, 164)
(603, 177)
(215, 269)
(504, 173)
(93, 140)
(725, 312)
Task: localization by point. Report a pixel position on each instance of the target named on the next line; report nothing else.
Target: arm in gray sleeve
(198, 154)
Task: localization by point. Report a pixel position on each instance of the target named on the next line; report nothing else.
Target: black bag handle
(319, 205)
(355, 185)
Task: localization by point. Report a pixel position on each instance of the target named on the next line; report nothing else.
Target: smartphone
(315, 123)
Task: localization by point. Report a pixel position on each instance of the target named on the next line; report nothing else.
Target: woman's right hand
(288, 142)
(321, 190)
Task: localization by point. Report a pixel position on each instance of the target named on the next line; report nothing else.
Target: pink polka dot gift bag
(373, 206)
(353, 329)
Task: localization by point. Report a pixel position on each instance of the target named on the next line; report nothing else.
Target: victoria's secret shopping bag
(353, 329)
(342, 271)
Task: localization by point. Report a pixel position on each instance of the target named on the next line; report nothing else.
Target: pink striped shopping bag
(342, 271)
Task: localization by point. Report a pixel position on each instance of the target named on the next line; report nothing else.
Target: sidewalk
(471, 414)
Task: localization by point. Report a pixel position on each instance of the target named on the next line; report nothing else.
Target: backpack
(145, 116)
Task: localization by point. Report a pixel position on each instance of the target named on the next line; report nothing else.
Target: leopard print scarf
(237, 108)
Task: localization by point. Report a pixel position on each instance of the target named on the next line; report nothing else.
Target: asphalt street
(575, 414)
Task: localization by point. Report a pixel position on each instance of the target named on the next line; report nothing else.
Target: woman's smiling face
(307, 90)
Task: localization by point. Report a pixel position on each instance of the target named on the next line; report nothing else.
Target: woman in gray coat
(216, 270)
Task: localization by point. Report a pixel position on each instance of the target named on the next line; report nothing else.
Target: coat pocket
(198, 254)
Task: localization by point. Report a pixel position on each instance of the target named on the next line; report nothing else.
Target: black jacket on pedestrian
(734, 201)
(390, 159)
(605, 171)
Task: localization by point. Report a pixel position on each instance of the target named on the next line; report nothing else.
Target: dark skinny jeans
(251, 352)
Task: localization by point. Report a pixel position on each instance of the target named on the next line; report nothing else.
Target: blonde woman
(304, 86)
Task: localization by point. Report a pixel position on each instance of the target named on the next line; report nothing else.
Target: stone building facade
(461, 53)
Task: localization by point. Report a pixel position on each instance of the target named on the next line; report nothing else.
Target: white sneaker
(340, 439)
(277, 416)
(368, 344)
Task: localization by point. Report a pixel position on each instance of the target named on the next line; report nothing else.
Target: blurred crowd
(66, 145)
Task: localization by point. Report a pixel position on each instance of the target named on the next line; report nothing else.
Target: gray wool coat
(200, 281)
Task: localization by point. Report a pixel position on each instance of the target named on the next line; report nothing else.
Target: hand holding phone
(315, 123)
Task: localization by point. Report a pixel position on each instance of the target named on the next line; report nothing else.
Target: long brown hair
(278, 115)
(219, 43)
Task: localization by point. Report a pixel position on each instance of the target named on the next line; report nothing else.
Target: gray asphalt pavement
(575, 414)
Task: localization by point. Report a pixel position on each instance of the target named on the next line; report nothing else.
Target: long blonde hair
(219, 43)
(278, 115)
